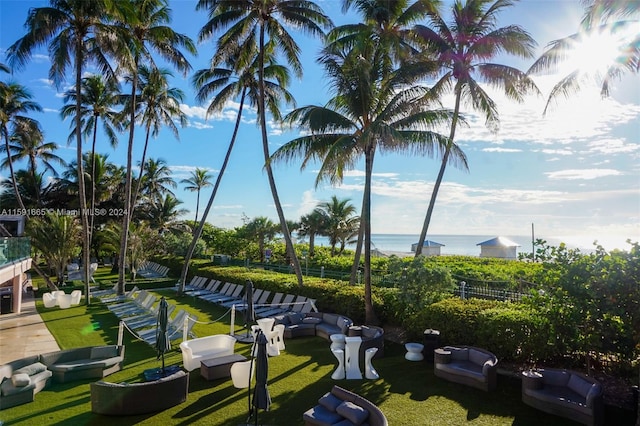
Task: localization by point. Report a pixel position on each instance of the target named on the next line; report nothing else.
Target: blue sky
(574, 173)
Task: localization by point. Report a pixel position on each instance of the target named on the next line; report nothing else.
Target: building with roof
(429, 248)
(499, 247)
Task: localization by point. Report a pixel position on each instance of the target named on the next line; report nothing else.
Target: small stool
(414, 351)
(337, 341)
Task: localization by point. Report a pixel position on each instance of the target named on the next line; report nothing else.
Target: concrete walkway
(24, 334)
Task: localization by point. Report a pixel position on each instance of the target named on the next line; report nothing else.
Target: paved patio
(25, 333)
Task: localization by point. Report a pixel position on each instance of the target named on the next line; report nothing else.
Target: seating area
(342, 407)
(75, 273)
(466, 365)
(61, 299)
(129, 399)
(564, 393)
(232, 295)
(152, 270)
(21, 379)
(239, 371)
(138, 311)
(195, 351)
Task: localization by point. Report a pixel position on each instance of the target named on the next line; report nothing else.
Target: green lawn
(408, 393)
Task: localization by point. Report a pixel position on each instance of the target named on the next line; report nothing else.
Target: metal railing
(14, 249)
(465, 291)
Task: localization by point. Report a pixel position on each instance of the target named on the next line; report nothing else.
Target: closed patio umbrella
(261, 397)
(249, 314)
(163, 343)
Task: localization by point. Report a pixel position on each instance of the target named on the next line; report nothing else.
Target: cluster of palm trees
(388, 74)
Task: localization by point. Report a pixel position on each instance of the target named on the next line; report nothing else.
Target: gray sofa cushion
(321, 416)
(478, 357)
(459, 354)
(312, 320)
(31, 369)
(8, 388)
(100, 352)
(579, 385)
(556, 377)
(330, 401)
(343, 324)
(464, 368)
(20, 380)
(352, 412)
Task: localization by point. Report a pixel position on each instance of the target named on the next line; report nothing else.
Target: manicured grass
(408, 393)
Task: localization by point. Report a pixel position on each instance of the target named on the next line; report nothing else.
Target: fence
(465, 291)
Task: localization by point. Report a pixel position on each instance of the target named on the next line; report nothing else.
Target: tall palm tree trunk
(198, 231)
(197, 204)
(127, 187)
(443, 166)
(144, 158)
(265, 148)
(14, 182)
(93, 179)
(358, 253)
(369, 313)
(84, 220)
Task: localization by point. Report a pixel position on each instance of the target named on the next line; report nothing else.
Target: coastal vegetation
(570, 306)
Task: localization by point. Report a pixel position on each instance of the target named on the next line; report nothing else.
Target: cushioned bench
(564, 393)
(342, 407)
(128, 399)
(93, 362)
(21, 380)
(466, 365)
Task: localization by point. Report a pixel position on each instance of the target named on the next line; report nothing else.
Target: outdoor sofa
(91, 362)
(564, 393)
(21, 379)
(313, 324)
(128, 399)
(195, 351)
(342, 407)
(466, 365)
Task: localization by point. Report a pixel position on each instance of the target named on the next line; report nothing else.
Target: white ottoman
(414, 351)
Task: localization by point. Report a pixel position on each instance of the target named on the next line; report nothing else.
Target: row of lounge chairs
(152, 270)
(139, 312)
(229, 295)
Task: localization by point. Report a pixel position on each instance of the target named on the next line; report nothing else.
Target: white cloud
(199, 125)
(496, 149)
(582, 174)
(612, 146)
(555, 151)
(308, 203)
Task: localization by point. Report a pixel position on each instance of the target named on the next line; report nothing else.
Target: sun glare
(594, 53)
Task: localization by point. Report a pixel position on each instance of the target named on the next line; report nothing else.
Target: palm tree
(262, 230)
(199, 179)
(311, 225)
(163, 214)
(464, 48)
(77, 33)
(337, 213)
(373, 109)
(146, 32)
(254, 20)
(56, 237)
(99, 97)
(156, 181)
(239, 79)
(32, 190)
(15, 101)
(28, 144)
(602, 17)
(159, 105)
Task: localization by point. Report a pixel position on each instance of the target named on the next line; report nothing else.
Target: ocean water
(467, 244)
